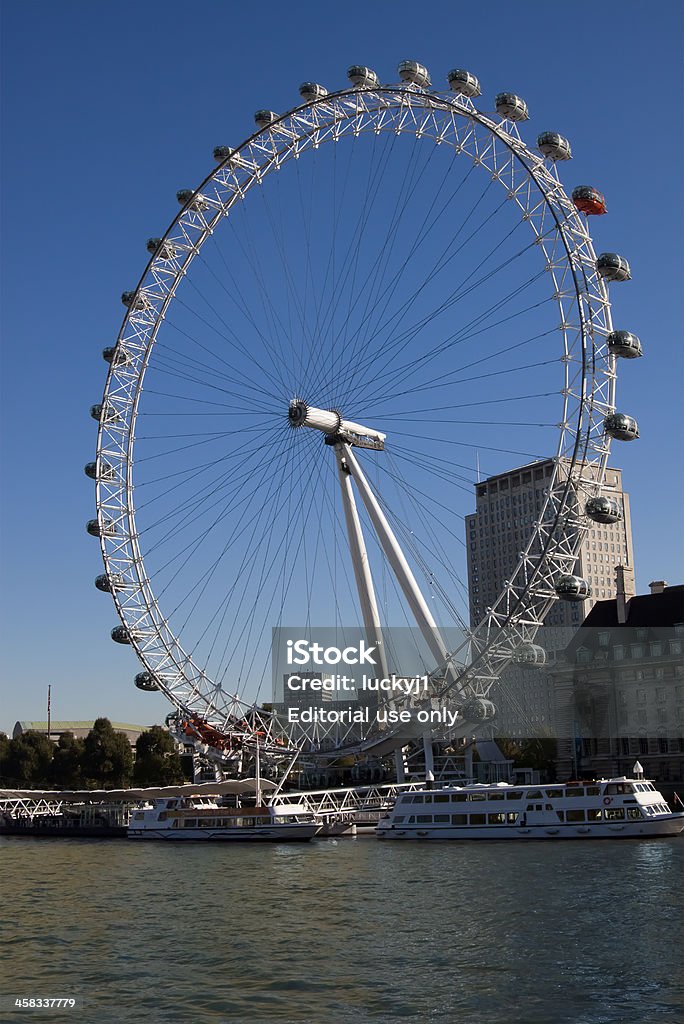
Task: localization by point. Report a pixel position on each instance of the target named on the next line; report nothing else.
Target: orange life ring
(607, 800)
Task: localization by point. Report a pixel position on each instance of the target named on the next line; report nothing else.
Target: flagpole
(48, 712)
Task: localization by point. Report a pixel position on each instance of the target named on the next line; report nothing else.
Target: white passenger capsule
(362, 77)
(193, 200)
(477, 709)
(135, 300)
(108, 528)
(116, 355)
(572, 588)
(603, 509)
(621, 427)
(120, 635)
(312, 91)
(146, 681)
(510, 106)
(415, 73)
(103, 584)
(263, 118)
(613, 267)
(530, 654)
(106, 472)
(104, 413)
(161, 248)
(463, 83)
(222, 153)
(554, 146)
(625, 344)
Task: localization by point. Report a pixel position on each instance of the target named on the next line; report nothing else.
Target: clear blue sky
(108, 109)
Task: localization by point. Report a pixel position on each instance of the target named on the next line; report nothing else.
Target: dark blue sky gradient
(108, 109)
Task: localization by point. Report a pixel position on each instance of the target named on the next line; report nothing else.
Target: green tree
(68, 762)
(108, 759)
(156, 760)
(28, 761)
(4, 756)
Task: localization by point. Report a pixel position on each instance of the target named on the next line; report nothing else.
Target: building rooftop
(66, 726)
(663, 609)
(79, 729)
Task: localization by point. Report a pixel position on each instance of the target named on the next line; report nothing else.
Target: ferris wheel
(378, 295)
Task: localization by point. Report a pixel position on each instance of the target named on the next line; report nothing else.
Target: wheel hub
(330, 423)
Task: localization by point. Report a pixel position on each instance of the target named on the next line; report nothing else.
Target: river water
(344, 931)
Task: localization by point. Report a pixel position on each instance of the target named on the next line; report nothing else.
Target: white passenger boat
(202, 817)
(619, 808)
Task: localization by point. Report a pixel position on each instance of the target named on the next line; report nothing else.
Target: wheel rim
(587, 386)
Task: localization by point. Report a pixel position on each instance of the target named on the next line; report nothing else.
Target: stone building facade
(507, 505)
(619, 690)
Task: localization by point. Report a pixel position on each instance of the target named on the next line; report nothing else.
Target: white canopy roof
(232, 787)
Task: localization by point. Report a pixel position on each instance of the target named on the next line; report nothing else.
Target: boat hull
(666, 826)
(278, 834)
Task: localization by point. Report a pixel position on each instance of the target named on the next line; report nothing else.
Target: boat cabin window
(593, 790)
(496, 818)
(554, 794)
(575, 791)
(477, 796)
(516, 795)
(459, 798)
(442, 817)
(533, 794)
(634, 812)
(191, 823)
(478, 819)
(576, 814)
(615, 813)
(615, 788)
(594, 814)
(459, 819)
(424, 818)
(441, 798)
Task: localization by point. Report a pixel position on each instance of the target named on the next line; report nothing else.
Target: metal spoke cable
(347, 283)
(399, 342)
(432, 273)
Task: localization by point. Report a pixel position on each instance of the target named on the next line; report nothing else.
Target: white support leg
(429, 757)
(397, 560)
(359, 554)
(399, 765)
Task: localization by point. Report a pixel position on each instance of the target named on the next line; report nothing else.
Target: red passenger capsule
(589, 200)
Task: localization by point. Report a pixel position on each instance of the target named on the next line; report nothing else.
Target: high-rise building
(507, 506)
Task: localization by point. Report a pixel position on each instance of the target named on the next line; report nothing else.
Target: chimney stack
(658, 586)
(625, 591)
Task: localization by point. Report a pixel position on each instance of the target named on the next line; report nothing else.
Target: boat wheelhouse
(608, 809)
